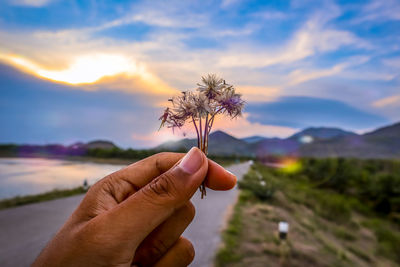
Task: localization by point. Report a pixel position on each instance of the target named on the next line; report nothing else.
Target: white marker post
(283, 230)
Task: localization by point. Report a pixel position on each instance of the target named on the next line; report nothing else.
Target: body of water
(26, 176)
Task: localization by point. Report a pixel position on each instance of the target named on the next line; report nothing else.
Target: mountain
(310, 142)
(102, 144)
(220, 143)
(53, 150)
(277, 146)
(291, 145)
(253, 139)
(322, 133)
(381, 143)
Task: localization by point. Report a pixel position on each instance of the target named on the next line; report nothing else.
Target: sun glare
(114, 70)
(89, 69)
(84, 69)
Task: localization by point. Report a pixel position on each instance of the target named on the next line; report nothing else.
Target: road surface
(25, 230)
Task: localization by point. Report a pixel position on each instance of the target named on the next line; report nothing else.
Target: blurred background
(83, 84)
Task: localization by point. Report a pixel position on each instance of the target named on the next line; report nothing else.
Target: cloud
(164, 53)
(97, 72)
(31, 3)
(228, 3)
(301, 112)
(377, 10)
(314, 37)
(393, 100)
(270, 15)
(305, 51)
(171, 14)
(392, 62)
(255, 93)
(243, 127)
(300, 75)
(53, 113)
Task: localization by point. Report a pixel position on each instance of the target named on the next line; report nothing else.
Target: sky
(83, 70)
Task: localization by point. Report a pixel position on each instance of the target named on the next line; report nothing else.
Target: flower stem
(197, 131)
(202, 186)
(201, 134)
(206, 135)
(211, 123)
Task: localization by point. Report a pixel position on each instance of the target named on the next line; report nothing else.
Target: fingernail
(192, 161)
(230, 172)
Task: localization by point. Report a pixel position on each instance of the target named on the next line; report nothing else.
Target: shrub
(260, 185)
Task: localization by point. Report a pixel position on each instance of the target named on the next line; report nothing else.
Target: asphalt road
(25, 230)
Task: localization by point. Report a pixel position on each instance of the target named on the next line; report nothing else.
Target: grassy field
(328, 226)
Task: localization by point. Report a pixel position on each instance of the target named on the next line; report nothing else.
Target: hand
(137, 215)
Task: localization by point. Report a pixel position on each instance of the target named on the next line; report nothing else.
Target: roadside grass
(54, 194)
(230, 237)
(326, 228)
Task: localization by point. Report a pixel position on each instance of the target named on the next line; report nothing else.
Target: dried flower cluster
(213, 96)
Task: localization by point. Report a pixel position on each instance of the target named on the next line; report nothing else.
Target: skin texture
(136, 216)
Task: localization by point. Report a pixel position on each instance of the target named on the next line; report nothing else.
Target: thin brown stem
(212, 119)
(211, 123)
(197, 131)
(206, 135)
(201, 134)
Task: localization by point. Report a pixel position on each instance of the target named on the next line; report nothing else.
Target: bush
(260, 185)
(376, 183)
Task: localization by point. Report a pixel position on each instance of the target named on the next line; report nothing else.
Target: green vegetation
(119, 153)
(23, 200)
(231, 237)
(375, 183)
(342, 212)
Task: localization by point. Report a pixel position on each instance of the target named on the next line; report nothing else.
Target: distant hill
(253, 139)
(220, 143)
(311, 142)
(322, 133)
(381, 143)
(103, 144)
(53, 150)
(319, 142)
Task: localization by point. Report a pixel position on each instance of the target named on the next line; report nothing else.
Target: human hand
(136, 216)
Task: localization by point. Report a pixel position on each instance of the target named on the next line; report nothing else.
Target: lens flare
(290, 165)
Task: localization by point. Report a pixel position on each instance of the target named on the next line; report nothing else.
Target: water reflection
(23, 176)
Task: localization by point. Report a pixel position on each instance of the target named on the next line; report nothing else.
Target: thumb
(142, 212)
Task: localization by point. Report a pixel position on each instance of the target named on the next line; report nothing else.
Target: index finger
(142, 172)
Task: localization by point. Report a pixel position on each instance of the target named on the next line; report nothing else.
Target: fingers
(143, 211)
(142, 172)
(218, 178)
(181, 254)
(163, 237)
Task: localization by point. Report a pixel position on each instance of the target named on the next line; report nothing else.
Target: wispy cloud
(302, 75)
(228, 3)
(392, 62)
(31, 3)
(313, 38)
(166, 14)
(393, 100)
(380, 10)
(270, 15)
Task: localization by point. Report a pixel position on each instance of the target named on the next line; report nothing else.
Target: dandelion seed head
(213, 96)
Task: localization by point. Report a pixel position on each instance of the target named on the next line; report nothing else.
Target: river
(26, 176)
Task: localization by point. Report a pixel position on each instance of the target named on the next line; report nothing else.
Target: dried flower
(213, 96)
